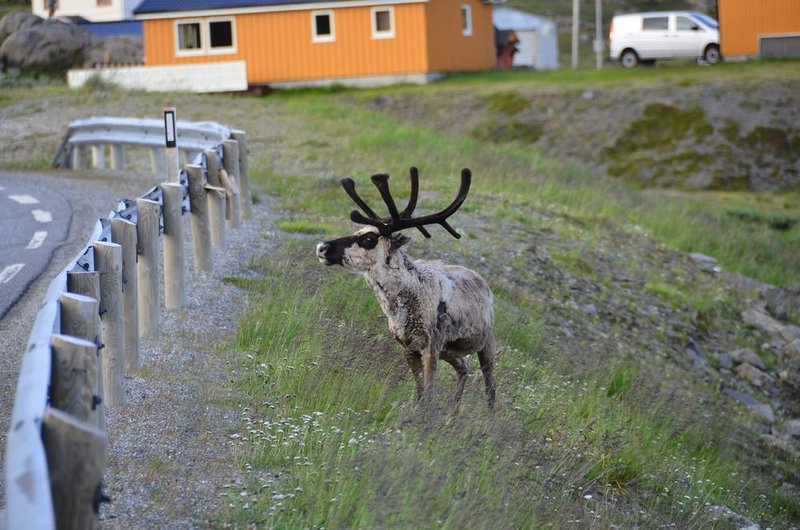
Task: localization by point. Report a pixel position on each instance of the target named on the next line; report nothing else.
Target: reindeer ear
(398, 240)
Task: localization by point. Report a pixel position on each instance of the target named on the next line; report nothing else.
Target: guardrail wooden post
(79, 157)
(216, 200)
(76, 460)
(118, 157)
(230, 162)
(123, 233)
(88, 284)
(174, 261)
(148, 232)
(198, 206)
(99, 156)
(244, 174)
(108, 261)
(157, 155)
(73, 376)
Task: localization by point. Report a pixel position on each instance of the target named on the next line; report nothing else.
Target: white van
(645, 37)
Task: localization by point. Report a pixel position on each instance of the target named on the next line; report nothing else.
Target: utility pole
(576, 15)
(598, 32)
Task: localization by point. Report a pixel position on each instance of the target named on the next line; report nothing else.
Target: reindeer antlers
(402, 220)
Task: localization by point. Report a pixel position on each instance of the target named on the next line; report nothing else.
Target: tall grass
(332, 437)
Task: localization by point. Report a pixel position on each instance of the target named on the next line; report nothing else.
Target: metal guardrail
(193, 138)
(55, 449)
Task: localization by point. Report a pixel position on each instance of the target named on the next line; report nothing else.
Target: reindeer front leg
(429, 360)
(414, 361)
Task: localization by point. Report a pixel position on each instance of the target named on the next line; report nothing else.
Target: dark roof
(165, 6)
(108, 29)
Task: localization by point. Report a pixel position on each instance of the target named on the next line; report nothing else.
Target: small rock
(792, 428)
(790, 333)
(784, 443)
(589, 310)
(764, 412)
(746, 355)
(761, 410)
(760, 319)
(792, 351)
(753, 375)
(725, 361)
(588, 95)
(705, 263)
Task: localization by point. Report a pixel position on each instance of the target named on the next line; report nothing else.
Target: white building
(91, 10)
(538, 37)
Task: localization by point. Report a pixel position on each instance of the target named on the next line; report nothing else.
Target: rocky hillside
(719, 136)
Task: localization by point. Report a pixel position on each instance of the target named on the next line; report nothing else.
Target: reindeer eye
(368, 240)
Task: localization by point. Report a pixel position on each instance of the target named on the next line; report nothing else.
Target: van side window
(655, 23)
(686, 24)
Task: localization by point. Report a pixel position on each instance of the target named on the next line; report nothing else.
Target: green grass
(379, 143)
(332, 437)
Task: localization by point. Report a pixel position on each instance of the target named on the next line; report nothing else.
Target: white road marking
(24, 199)
(42, 216)
(10, 271)
(37, 239)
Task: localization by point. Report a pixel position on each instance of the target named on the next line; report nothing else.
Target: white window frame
(466, 16)
(382, 34)
(220, 50)
(189, 53)
(322, 38)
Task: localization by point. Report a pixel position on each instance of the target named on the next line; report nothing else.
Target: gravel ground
(169, 459)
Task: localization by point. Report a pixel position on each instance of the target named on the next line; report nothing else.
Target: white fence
(86, 335)
(229, 76)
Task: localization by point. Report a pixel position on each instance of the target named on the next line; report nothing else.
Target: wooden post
(174, 261)
(198, 206)
(99, 156)
(76, 460)
(244, 174)
(79, 157)
(78, 316)
(230, 162)
(74, 375)
(118, 157)
(124, 233)
(108, 261)
(216, 200)
(148, 270)
(157, 160)
(88, 284)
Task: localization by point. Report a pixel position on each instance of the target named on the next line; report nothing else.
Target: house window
(382, 22)
(322, 26)
(655, 23)
(221, 34)
(103, 3)
(51, 3)
(189, 38)
(466, 20)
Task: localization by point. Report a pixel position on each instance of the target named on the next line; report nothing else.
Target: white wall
(198, 77)
(88, 9)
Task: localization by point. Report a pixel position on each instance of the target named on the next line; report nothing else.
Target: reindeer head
(380, 239)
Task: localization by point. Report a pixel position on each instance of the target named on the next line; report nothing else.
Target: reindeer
(435, 311)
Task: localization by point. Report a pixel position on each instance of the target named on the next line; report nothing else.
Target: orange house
(306, 42)
(766, 28)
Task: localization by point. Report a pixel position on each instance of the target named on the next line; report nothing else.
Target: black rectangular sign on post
(169, 128)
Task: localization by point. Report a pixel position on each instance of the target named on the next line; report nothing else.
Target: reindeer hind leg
(486, 358)
(414, 361)
(463, 371)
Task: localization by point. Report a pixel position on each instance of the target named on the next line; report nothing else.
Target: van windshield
(708, 21)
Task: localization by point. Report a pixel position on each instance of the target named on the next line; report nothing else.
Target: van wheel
(711, 55)
(629, 59)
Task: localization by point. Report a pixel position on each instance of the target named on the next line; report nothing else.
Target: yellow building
(286, 42)
(763, 28)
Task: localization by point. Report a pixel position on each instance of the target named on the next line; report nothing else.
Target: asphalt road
(34, 221)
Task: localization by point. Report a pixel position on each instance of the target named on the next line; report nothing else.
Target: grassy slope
(602, 426)
(616, 436)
